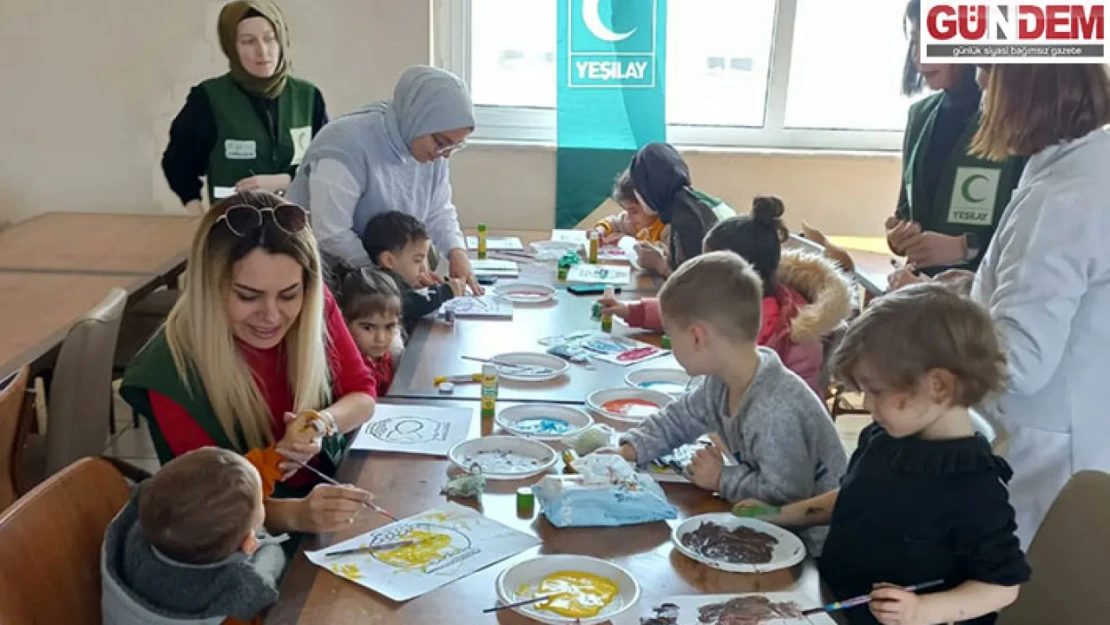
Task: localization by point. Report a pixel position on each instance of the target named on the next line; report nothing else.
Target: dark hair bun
(768, 210)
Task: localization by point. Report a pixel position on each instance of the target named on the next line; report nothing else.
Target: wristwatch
(971, 242)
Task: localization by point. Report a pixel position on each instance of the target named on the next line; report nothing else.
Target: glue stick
(481, 241)
(489, 391)
(607, 316)
(595, 242)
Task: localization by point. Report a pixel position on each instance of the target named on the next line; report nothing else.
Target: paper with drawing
(414, 429)
(604, 274)
(452, 541)
(772, 608)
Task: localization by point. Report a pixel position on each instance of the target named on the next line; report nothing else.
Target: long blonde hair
(200, 338)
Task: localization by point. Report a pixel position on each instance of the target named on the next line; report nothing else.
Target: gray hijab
(425, 100)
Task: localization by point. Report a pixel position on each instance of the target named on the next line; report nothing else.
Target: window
(740, 73)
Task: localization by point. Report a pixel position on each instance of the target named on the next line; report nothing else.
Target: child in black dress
(924, 498)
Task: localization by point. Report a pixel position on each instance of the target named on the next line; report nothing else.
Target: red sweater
(270, 369)
(382, 370)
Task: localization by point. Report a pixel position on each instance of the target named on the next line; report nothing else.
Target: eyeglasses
(244, 219)
(450, 149)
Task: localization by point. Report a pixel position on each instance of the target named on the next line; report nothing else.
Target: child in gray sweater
(774, 427)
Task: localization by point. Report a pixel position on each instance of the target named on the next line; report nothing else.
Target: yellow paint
(430, 548)
(576, 594)
(350, 571)
(437, 517)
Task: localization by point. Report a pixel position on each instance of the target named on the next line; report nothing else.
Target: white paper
(495, 267)
(571, 236)
(222, 192)
(688, 606)
(414, 429)
(485, 307)
(497, 243)
(622, 352)
(604, 274)
(456, 542)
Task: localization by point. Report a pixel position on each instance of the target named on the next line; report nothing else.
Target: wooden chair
(1068, 557)
(12, 393)
(50, 544)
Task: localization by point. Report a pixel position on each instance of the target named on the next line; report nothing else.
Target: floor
(133, 445)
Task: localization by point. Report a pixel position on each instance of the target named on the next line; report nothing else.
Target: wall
(91, 88)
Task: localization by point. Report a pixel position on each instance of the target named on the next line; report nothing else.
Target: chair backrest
(1068, 557)
(12, 392)
(50, 543)
(796, 242)
(81, 390)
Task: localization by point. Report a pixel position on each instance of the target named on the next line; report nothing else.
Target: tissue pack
(606, 492)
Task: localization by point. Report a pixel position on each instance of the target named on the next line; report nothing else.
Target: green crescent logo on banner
(611, 96)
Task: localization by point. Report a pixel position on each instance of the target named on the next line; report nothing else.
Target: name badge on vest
(973, 196)
(236, 150)
(301, 138)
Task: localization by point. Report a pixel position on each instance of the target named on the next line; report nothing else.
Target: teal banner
(612, 96)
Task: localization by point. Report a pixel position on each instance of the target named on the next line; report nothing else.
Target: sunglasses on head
(244, 219)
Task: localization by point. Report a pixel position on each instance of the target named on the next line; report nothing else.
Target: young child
(398, 244)
(189, 546)
(635, 220)
(777, 432)
(924, 498)
(371, 304)
(805, 297)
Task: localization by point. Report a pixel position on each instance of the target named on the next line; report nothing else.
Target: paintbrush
(397, 544)
(330, 480)
(517, 604)
(862, 599)
(717, 443)
(537, 369)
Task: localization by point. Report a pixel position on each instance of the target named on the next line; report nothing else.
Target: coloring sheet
(571, 236)
(494, 267)
(484, 307)
(451, 542)
(505, 244)
(772, 608)
(605, 274)
(424, 430)
(621, 351)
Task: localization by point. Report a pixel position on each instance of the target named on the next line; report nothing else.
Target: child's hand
(614, 306)
(626, 451)
(650, 257)
(756, 509)
(706, 467)
(893, 606)
(458, 287)
(611, 238)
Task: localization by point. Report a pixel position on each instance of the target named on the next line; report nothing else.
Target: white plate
(789, 551)
(597, 400)
(504, 457)
(527, 575)
(543, 422)
(525, 293)
(669, 381)
(547, 367)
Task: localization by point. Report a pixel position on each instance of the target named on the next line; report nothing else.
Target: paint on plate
(542, 426)
(575, 594)
(631, 407)
(497, 461)
(663, 386)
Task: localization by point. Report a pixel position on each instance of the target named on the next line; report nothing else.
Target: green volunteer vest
(972, 192)
(719, 207)
(153, 370)
(243, 145)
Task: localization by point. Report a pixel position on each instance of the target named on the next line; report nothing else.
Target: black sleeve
(319, 120)
(902, 211)
(982, 533)
(192, 136)
(419, 303)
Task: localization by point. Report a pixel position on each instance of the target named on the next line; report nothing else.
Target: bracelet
(330, 425)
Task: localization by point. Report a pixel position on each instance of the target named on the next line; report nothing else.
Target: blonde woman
(255, 337)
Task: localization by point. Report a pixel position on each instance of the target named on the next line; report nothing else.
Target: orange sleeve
(267, 462)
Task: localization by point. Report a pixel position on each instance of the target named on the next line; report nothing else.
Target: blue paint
(663, 386)
(542, 425)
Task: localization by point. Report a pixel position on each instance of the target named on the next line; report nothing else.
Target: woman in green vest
(249, 128)
(255, 339)
(950, 201)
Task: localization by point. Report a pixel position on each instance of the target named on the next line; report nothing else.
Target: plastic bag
(606, 492)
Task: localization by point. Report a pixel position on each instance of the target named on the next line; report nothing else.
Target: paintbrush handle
(369, 548)
(330, 480)
(516, 604)
(862, 599)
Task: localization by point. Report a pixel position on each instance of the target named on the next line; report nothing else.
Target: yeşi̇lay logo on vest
(997, 31)
(601, 57)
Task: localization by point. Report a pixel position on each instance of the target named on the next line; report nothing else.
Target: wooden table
(97, 243)
(39, 309)
(435, 349)
(407, 485)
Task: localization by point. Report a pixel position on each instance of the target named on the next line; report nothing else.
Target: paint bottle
(481, 241)
(489, 391)
(595, 243)
(607, 317)
(525, 502)
(665, 343)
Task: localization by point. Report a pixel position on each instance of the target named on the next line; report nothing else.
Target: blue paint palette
(673, 382)
(543, 422)
(664, 386)
(543, 425)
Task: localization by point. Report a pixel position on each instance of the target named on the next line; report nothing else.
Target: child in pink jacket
(805, 297)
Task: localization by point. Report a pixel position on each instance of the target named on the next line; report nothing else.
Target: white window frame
(524, 125)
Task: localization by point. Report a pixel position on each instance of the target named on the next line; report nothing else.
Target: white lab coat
(1046, 280)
